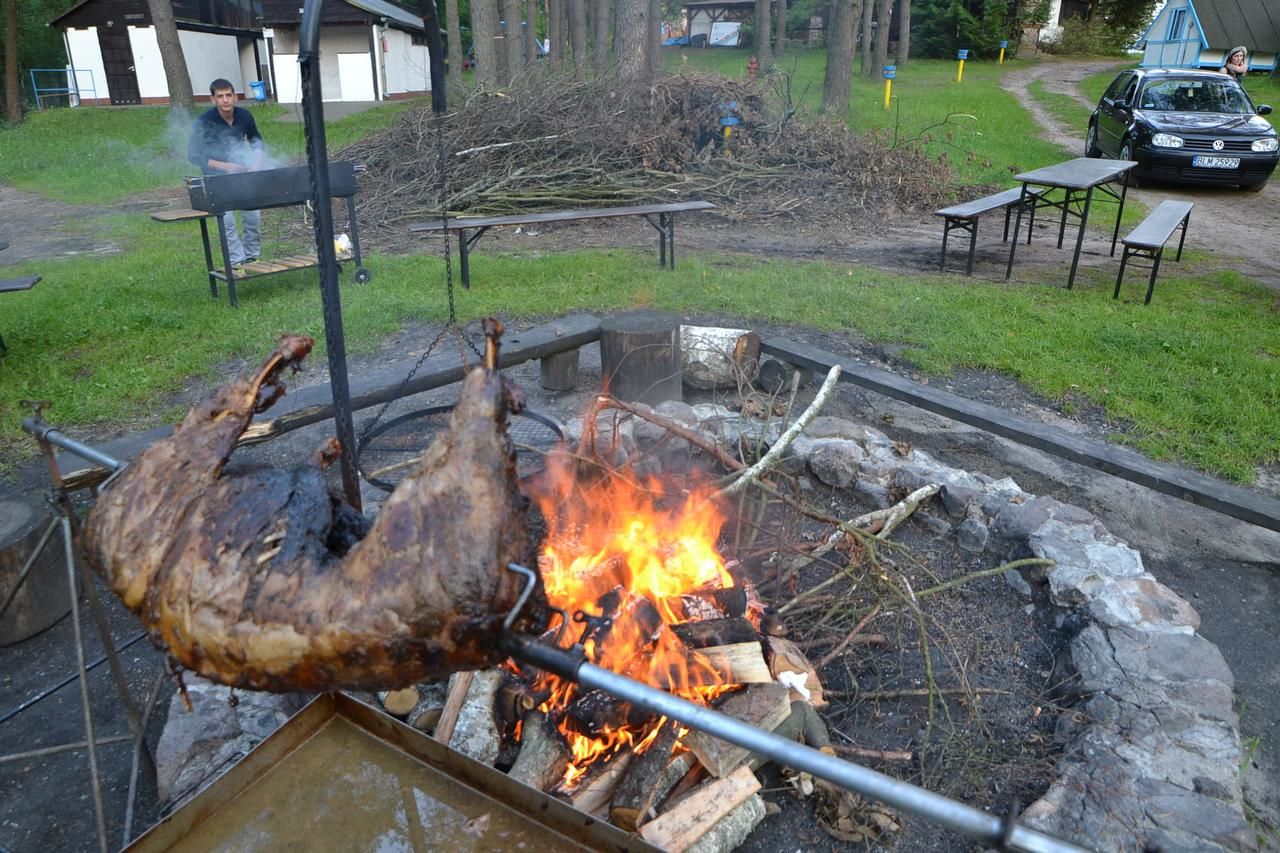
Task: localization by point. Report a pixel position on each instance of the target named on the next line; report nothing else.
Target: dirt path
(1236, 227)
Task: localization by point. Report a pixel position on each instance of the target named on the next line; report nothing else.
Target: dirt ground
(1228, 570)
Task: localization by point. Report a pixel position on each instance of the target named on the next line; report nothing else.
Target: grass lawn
(116, 339)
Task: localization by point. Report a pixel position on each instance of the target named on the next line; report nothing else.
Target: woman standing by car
(1237, 62)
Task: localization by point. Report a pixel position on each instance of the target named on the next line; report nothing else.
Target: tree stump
(640, 357)
(43, 598)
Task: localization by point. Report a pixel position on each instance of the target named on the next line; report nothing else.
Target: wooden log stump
(640, 357)
(559, 371)
(543, 754)
(649, 778)
(43, 598)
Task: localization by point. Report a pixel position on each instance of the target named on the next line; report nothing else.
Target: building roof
(288, 13)
(391, 11)
(1252, 23)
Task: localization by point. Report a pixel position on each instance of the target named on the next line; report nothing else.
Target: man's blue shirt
(213, 139)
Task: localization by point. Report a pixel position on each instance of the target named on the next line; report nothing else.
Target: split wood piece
(735, 663)
(648, 779)
(640, 357)
(425, 717)
(459, 683)
(476, 733)
(803, 725)
(712, 357)
(731, 830)
(593, 712)
(761, 705)
(543, 753)
(786, 656)
(399, 702)
(715, 632)
(594, 795)
(513, 701)
(680, 826)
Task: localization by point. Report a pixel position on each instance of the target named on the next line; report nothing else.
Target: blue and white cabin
(1198, 34)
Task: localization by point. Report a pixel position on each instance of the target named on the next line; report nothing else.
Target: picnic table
(1077, 179)
(478, 225)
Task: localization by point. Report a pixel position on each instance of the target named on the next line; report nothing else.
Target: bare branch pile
(561, 143)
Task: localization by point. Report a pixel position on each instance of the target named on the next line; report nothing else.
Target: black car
(1186, 126)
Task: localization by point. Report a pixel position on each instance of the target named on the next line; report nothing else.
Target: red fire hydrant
(752, 66)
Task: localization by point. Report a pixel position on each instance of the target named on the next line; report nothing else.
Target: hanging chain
(451, 324)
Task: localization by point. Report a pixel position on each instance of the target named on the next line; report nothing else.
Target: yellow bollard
(1003, 45)
(963, 55)
(890, 71)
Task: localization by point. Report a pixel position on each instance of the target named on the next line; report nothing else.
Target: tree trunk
(779, 28)
(578, 35)
(453, 32)
(484, 36)
(531, 33)
(12, 83)
(629, 38)
(175, 64)
(904, 31)
(868, 10)
(835, 84)
(761, 40)
(555, 32)
(511, 41)
(601, 24)
(653, 39)
(883, 8)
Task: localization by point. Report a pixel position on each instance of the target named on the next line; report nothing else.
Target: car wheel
(1091, 148)
(1254, 188)
(1126, 153)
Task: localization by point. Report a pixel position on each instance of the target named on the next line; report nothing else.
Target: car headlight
(1269, 144)
(1166, 140)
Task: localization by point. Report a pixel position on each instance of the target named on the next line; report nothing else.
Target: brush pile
(560, 143)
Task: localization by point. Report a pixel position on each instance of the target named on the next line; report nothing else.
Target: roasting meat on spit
(266, 579)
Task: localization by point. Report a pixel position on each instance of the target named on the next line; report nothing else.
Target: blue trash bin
(259, 90)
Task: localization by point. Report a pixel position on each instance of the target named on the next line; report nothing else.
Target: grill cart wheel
(363, 276)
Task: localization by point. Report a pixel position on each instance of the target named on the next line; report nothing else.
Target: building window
(1177, 23)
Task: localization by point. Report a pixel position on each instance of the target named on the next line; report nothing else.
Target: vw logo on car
(1184, 126)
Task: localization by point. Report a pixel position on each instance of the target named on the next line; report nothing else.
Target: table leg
(1115, 234)
(208, 257)
(671, 239)
(1017, 229)
(662, 239)
(1066, 207)
(226, 263)
(1084, 221)
(464, 264)
(973, 245)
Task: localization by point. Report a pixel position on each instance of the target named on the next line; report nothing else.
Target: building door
(117, 59)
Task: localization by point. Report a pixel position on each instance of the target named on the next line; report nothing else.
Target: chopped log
(399, 702)
(764, 706)
(701, 608)
(680, 826)
(31, 603)
(426, 716)
(712, 357)
(732, 829)
(640, 357)
(513, 701)
(735, 663)
(715, 632)
(733, 600)
(591, 712)
(559, 371)
(543, 753)
(786, 656)
(622, 605)
(459, 683)
(593, 796)
(648, 779)
(476, 732)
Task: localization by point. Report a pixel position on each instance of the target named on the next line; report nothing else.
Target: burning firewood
(543, 756)
(715, 632)
(649, 778)
(594, 795)
(734, 663)
(760, 705)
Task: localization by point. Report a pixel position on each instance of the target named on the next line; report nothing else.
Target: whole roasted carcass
(266, 579)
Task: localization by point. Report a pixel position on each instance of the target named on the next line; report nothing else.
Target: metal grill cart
(214, 195)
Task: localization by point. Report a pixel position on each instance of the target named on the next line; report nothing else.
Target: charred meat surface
(268, 580)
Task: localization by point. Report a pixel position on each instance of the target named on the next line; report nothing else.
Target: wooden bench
(478, 225)
(14, 285)
(1148, 239)
(964, 217)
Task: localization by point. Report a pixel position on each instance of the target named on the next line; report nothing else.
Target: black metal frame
(969, 225)
(1152, 254)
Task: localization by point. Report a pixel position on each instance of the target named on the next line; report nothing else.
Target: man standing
(225, 139)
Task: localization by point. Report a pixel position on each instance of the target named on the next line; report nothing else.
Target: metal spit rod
(853, 777)
(43, 432)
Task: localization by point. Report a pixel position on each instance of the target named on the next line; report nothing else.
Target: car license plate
(1203, 162)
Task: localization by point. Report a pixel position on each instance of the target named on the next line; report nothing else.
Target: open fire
(632, 560)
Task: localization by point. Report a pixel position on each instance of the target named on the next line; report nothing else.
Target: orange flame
(627, 542)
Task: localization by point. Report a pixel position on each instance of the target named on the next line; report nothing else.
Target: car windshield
(1195, 96)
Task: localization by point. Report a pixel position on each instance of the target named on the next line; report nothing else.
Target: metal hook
(524, 593)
